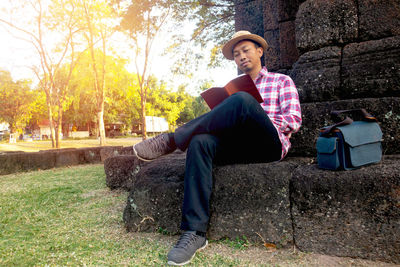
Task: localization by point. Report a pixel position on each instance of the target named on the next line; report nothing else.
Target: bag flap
(326, 145)
(361, 132)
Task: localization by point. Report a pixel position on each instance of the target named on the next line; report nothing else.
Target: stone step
(343, 213)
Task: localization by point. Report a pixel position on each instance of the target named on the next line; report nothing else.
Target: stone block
(248, 200)
(249, 16)
(155, 200)
(22, 161)
(90, 155)
(317, 115)
(270, 17)
(287, 44)
(317, 74)
(68, 157)
(251, 200)
(379, 19)
(371, 69)
(287, 9)
(110, 151)
(348, 213)
(321, 23)
(121, 171)
(272, 60)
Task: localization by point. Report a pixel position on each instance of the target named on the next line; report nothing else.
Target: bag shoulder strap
(347, 120)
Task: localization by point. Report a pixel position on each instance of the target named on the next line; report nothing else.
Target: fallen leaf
(270, 247)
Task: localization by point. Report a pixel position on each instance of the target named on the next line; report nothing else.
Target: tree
(165, 103)
(82, 109)
(213, 25)
(143, 21)
(47, 20)
(15, 100)
(98, 16)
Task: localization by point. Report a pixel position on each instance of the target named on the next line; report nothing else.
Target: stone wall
(341, 54)
(18, 161)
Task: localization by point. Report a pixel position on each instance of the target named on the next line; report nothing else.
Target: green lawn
(68, 217)
(34, 146)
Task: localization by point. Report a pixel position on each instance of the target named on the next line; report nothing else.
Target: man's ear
(260, 51)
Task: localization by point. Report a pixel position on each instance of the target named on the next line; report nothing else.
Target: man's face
(247, 56)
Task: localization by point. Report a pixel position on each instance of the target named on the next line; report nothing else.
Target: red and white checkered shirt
(281, 103)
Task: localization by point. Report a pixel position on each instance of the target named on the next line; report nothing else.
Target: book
(216, 95)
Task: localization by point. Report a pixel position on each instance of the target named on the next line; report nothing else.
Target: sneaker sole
(139, 157)
(186, 262)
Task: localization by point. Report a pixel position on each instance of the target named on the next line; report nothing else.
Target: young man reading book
(238, 130)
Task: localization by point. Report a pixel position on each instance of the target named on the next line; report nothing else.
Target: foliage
(195, 106)
(214, 24)
(15, 101)
(165, 103)
(67, 73)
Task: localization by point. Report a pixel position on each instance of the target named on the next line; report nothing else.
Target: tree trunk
(52, 132)
(144, 132)
(13, 129)
(59, 128)
(102, 131)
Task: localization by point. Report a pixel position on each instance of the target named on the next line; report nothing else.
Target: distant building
(4, 127)
(153, 125)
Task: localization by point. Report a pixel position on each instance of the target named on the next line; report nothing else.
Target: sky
(18, 57)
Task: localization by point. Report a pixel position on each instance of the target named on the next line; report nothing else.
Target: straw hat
(240, 36)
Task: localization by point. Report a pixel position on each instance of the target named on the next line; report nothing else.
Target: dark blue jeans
(236, 131)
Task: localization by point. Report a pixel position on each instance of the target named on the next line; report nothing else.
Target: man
(237, 130)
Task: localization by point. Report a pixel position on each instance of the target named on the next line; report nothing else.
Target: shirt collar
(263, 73)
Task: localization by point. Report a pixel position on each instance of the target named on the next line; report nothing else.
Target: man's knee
(203, 142)
(243, 98)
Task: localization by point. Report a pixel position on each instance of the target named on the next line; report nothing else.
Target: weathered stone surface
(287, 41)
(247, 199)
(68, 157)
(348, 213)
(321, 23)
(156, 198)
(379, 19)
(250, 199)
(287, 9)
(345, 213)
(121, 171)
(22, 161)
(316, 116)
(249, 16)
(270, 15)
(46, 159)
(273, 58)
(110, 151)
(91, 154)
(371, 69)
(317, 74)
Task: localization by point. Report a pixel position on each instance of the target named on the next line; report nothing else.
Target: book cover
(216, 95)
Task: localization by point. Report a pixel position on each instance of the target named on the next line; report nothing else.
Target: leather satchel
(349, 144)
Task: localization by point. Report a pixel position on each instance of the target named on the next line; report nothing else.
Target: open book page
(216, 95)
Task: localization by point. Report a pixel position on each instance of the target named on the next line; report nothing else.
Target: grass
(34, 146)
(68, 217)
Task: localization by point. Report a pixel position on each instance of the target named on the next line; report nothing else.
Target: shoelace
(185, 239)
(160, 142)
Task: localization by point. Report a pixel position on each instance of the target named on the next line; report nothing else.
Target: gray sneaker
(186, 247)
(153, 148)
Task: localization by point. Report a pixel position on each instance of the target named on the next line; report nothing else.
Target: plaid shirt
(281, 103)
